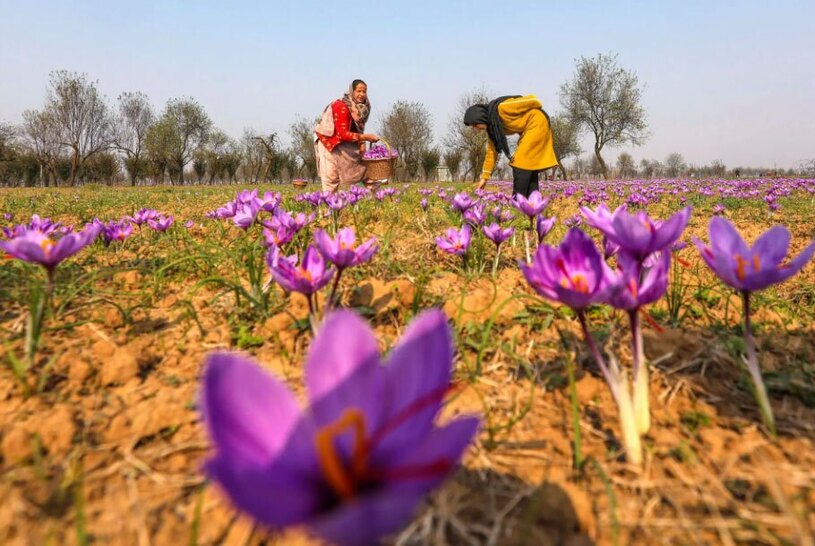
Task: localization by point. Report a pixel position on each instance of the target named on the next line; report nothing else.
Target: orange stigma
(340, 478)
(741, 265)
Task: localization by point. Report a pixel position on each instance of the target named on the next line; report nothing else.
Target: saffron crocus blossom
(423, 204)
(455, 241)
(143, 215)
(640, 236)
(162, 223)
(342, 250)
(602, 218)
(270, 201)
(475, 216)
(531, 206)
(307, 277)
(576, 275)
(543, 226)
(277, 237)
(497, 234)
(573, 274)
(245, 215)
(189, 224)
(38, 248)
(748, 269)
(718, 209)
(353, 466)
(462, 202)
(116, 231)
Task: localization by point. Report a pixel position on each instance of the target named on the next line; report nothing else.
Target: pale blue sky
(728, 80)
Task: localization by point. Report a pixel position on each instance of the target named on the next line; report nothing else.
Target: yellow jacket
(535, 151)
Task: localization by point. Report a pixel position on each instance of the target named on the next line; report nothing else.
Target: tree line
(78, 137)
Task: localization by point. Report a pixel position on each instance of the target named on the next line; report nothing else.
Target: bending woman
(339, 138)
(514, 115)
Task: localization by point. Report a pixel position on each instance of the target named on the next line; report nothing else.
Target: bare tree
(452, 160)
(254, 156)
(470, 142)
(565, 140)
(625, 165)
(301, 133)
(182, 129)
(407, 127)
(605, 100)
(80, 116)
(134, 119)
(675, 165)
(651, 169)
(40, 137)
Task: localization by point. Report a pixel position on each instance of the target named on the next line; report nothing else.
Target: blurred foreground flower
(354, 466)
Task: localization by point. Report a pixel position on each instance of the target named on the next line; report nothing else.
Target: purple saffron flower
(423, 204)
(750, 268)
(610, 249)
(342, 250)
(308, 277)
(543, 226)
(455, 241)
(143, 215)
(245, 215)
(532, 206)
(162, 223)
(640, 236)
(270, 201)
(7, 216)
(116, 231)
(475, 216)
(634, 286)
(36, 247)
(188, 224)
(573, 274)
(353, 466)
(602, 218)
(718, 209)
(497, 234)
(461, 202)
(279, 236)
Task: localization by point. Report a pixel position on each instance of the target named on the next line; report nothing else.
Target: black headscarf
(488, 115)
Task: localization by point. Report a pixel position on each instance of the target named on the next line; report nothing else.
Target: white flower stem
(642, 406)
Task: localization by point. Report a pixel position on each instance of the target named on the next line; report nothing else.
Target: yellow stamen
(47, 245)
(340, 478)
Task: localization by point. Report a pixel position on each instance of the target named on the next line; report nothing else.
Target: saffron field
(588, 366)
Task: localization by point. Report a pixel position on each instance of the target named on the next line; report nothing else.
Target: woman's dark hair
(355, 83)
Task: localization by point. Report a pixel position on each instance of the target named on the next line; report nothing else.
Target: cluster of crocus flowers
(576, 274)
(353, 466)
(750, 269)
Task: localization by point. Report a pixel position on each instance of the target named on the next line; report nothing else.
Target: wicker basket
(380, 169)
(299, 183)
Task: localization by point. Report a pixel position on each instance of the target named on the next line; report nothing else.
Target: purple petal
(417, 377)
(771, 248)
(248, 413)
(343, 370)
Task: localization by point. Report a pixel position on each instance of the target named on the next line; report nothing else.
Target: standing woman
(340, 137)
(514, 115)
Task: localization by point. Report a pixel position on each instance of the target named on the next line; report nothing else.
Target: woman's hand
(480, 185)
(369, 137)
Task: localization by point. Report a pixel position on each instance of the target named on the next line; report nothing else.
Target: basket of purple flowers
(380, 161)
